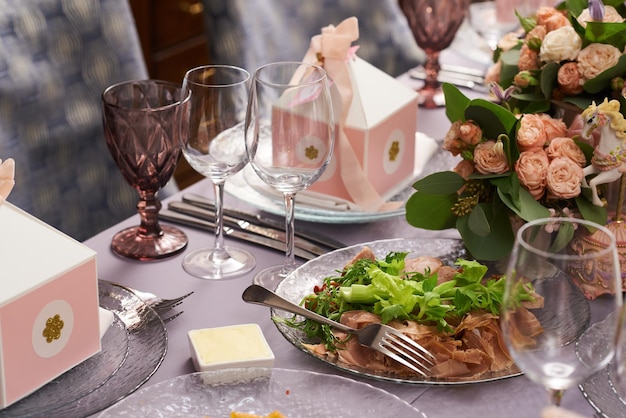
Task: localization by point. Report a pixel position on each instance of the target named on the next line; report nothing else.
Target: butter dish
(229, 347)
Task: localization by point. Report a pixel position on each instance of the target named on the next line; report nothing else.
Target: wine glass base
(130, 244)
(207, 264)
(431, 98)
(271, 276)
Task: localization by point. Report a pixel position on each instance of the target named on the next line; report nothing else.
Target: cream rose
(531, 133)
(560, 45)
(532, 171)
(566, 147)
(610, 15)
(564, 178)
(595, 58)
(489, 158)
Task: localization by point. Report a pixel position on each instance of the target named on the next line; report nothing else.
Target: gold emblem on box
(311, 152)
(394, 150)
(53, 328)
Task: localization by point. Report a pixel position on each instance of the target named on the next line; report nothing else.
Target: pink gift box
(49, 317)
(380, 127)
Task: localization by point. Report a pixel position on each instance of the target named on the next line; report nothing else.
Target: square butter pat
(231, 346)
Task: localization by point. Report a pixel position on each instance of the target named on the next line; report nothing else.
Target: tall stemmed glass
(140, 127)
(556, 335)
(289, 139)
(434, 24)
(212, 137)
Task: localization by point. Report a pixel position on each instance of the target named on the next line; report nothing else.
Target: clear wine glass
(434, 24)
(289, 139)
(555, 334)
(140, 127)
(212, 137)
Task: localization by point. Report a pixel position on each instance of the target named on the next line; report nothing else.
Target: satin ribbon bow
(7, 175)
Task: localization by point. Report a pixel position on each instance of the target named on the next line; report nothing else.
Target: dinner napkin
(424, 150)
(7, 176)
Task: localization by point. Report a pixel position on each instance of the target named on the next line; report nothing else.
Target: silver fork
(380, 337)
(160, 305)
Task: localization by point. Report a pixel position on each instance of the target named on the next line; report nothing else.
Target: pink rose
(462, 136)
(564, 178)
(554, 127)
(531, 133)
(464, 168)
(569, 79)
(595, 58)
(566, 147)
(532, 171)
(489, 158)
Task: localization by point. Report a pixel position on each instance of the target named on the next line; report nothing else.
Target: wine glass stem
(218, 247)
(432, 67)
(290, 259)
(148, 209)
(555, 396)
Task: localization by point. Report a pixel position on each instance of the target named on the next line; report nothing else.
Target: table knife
(317, 238)
(182, 219)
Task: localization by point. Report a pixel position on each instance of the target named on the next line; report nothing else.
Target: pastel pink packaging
(49, 315)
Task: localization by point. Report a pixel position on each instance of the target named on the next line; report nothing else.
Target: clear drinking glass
(140, 127)
(212, 137)
(290, 135)
(556, 335)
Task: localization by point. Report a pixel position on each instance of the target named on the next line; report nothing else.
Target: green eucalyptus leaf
(497, 244)
(509, 67)
(431, 211)
(493, 119)
(588, 210)
(478, 223)
(606, 33)
(442, 182)
(563, 237)
(456, 102)
(548, 79)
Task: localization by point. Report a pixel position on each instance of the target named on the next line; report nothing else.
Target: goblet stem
(148, 208)
(290, 259)
(218, 248)
(556, 395)
(431, 87)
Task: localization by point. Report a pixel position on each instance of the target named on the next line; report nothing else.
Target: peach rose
(538, 32)
(595, 58)
(576, 128)
(554, 127)
(569, 79)
(493, 73)
(560, 45)
(462, 136)
(545, 13)
(564, 178)
(610, 15)
(556, 21)
(532, 171)
(531, 133)
(489, 158)
(464, 168)
(566, 147)
(509, 41)
(528, 59)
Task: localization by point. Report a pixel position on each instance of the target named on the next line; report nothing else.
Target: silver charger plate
(133, 348)
(294, 393)
(301, 282)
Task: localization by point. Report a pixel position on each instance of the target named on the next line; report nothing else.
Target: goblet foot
(430, 97)
(271, 276)
(131, 243)
(211, 264)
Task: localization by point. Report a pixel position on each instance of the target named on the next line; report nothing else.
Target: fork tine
(411, 345)
(414, 365)
(166, 304)
(169, 318)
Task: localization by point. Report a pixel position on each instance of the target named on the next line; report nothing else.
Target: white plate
(301, 282)
(133, 348)
(294, 393)
(242, 186)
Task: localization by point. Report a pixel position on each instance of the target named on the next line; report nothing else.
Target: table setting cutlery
(379, 337)
(195, 222)
(461, 77)
(161, 306)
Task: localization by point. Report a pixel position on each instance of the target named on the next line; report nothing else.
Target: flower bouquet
(572, 53)
(513, 167)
